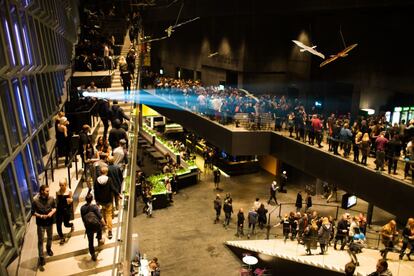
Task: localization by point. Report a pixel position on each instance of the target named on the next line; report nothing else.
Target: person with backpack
(93, 221)
(118, 113)
(105, 191)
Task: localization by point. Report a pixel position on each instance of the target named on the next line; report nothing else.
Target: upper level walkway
(379, 188)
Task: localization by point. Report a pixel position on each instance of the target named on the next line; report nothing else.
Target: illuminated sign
(397, 109)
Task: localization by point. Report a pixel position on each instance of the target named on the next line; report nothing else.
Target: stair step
(79, 264)
(76, 245)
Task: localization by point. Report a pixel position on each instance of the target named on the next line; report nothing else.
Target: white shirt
(118, 155)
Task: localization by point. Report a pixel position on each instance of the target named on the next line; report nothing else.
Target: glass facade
(20, 109)
(4, 151)
(36, 43)
(34, 183)
(22, 182)
(7, 106)
(13, 200)
(5, 236)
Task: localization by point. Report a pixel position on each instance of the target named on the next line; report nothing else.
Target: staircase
(73, 258)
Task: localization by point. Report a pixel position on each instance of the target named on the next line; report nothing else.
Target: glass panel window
(7, 107)
(17, 34)
(5, 237)
(35, 40)
(7, 34)
(29, 102)
(36, 100)
(32, 171)
(26, 38)
(22, 182)
(26, 3)
(4, 152)
(42, 142)
(38, 156)
(19, 105)
(12, 197)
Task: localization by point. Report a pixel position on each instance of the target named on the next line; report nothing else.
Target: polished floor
(186, 241)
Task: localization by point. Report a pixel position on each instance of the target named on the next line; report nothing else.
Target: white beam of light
(136, 96)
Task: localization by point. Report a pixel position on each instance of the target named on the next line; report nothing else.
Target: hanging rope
(340, 32)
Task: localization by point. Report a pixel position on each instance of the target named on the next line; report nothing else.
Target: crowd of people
(308, 228)
(103, 163)
(95, 52)
(365, 136)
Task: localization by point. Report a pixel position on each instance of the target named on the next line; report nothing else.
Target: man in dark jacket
(118, 113)
(228, 210)
(105, 192)
(43, 208)
(115, 173)
(116, 134)
(104, 114)
(298, 203)
(240, 223)
(342, 231)
(88, 208)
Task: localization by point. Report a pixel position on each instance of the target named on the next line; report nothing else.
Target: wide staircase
(73, 258)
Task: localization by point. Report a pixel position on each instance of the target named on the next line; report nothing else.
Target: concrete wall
(259, 48)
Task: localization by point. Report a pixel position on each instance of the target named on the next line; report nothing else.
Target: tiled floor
(187, 242)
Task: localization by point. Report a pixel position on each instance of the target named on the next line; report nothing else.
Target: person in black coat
(298, 203)
(104, 114)
(116, 134)
(308, 202)
(261, 212)
(408, 239)
(342, 231)
(228, 210)
(240, 223)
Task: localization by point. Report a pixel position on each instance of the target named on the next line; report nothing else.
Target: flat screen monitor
(348, 201)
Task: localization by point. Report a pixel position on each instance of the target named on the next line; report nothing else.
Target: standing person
(261, 212)
(105, 192)
(64, 209)
(286, 226)
(317, 129)
(394, 151)
(324, 234)
(273, 190)
(217, 174)
(240, 223)
(380, 143)
(169, 190)
(228, 210)
(408, 239)
(126, 84)
(217, 207)
(389, 235)
(308, 202)
(310, 236)
(365, 146)
(93, 221)
(252, 218)
(104, 114)
(115, 173)
(43, 208)
(342, 231)
(298, 203)
(85, 143)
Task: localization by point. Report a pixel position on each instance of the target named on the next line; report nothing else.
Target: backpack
(92, 222)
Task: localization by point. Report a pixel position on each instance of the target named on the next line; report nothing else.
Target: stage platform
(333, 260)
